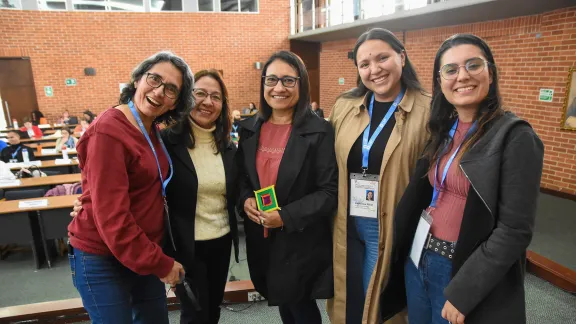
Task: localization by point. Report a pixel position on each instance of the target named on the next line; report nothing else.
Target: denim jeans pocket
(72, 261)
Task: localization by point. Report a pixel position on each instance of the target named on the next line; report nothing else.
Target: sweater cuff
(164, 266)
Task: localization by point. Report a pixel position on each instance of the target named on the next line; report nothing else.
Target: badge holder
(364, 195)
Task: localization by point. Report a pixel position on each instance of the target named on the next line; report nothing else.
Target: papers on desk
(24, 165)
(33, 203)
(10, 183)
(48, 151)
(44, 126)
(62, 161)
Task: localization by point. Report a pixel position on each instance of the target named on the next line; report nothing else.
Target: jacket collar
(406, 103)
(311, 124)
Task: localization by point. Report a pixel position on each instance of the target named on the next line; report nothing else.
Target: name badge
(364, 195)
(421, 237)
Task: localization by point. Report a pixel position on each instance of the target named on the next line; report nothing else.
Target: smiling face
(207, 110)
(380, 68)
(465, 91)
(278, 96)
(152, 102)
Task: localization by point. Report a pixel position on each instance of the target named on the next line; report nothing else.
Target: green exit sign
(70, 82)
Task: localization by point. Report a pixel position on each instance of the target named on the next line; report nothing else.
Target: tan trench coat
(349, 118)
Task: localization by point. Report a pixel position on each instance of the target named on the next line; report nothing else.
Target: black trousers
(304, 312)
(208, 278)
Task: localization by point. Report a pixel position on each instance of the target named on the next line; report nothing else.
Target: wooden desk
(46, 181)
(56, 202)
(52, 156)
(36, 140)
(50, 164)
(44, 145)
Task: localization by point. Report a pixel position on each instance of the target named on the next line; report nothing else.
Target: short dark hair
(65, 129)
(14, 132)
(409, 78)
(26, 120)
(223, 123)
(303, 104)
(185, 101)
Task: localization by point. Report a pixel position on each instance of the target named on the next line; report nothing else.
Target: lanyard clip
(364, 171)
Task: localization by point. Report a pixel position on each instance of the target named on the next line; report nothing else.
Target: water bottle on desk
(25, 156)
(65, 153)
(15, 123)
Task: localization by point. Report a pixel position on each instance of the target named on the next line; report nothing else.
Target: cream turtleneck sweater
(211, 206)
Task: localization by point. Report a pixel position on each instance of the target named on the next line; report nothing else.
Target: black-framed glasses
(473, 66)
(155, 81)
(287, 81)
(201, 94)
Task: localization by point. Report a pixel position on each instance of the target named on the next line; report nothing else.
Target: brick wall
(531, 52)
(61, 44)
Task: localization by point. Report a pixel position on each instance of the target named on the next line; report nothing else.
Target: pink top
(447, 216)
(273, 140)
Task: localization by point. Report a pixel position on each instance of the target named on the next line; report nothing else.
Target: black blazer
(8, 151)
(504, 169)
(181, 195)
(294, 263)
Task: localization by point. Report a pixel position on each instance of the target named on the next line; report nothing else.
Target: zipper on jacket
(471, 184)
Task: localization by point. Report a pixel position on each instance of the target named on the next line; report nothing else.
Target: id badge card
(421, 237)
(364, 195)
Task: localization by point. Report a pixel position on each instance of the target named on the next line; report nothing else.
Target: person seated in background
(236, 117)
(89, 116)
(13, 153)
(67, 140)
(80, 129)
(35, 116)
(253, 109)
(65, 119)
(33, 131)
(318, 111)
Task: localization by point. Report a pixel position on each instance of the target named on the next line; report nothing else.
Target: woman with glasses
(115, 252)
(289, 250)
(466, 218)
(380, 133)
(202, 198)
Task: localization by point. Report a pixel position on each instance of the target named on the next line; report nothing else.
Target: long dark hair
(409, 78)
(442, 115)
(185, 100)
(304, 91)
(223, 123)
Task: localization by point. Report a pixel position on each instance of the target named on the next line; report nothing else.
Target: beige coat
(349, 118)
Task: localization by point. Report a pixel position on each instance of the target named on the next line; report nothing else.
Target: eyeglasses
(473, 66)
(287, 81)
(155, 81)
(201, 94)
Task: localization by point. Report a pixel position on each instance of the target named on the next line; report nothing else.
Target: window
(10, 4)
(52, 5)
(109, 5)
(166, 5)
(205, 5)
(239, 5)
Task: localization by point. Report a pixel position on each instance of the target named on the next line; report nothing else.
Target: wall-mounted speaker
(350, 55)
(89, 71)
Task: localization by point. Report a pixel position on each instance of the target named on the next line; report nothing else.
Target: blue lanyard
(143, 129)
(16, 152)
(234, 127)
(367, 143)
(450, 160)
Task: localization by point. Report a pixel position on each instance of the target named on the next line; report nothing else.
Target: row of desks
(43, 127)
(41, 181)
(36, 225)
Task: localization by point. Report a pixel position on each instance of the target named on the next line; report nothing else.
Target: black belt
(441, 247)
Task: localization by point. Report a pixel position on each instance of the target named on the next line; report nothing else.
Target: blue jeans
(425, 288)
(368, 232)
(112, 293)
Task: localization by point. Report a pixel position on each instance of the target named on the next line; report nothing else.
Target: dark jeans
(208, 277)
(425, 288)
(305, 312)
(113, 294)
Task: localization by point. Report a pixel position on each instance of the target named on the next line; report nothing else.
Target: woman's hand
(451, 314)
(77, 208)
(271, 219)
(174, 275)
(251, 210)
